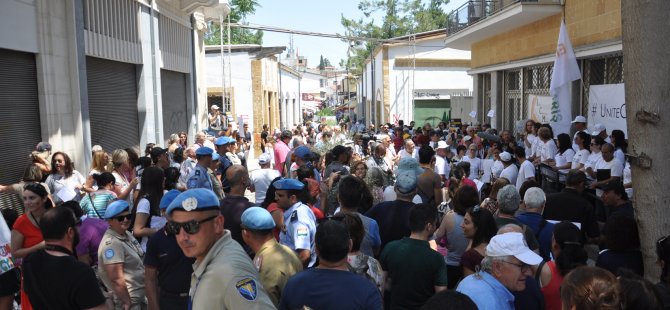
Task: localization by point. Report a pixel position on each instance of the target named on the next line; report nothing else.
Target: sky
(307, 15)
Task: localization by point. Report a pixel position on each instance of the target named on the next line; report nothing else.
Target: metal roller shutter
(112, 99)
(173, 90)
(20, 118)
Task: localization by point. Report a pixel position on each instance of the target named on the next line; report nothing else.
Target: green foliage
(323, 63)
(327, 111)
(239, 10)
(401, 17)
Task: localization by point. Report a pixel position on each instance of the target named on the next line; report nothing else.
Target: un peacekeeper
(223, 147)
(275, 262)
(120, 259)
(223, 276)
(299, 220)
(199, 178)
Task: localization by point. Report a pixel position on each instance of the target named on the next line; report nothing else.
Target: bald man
(234, 204)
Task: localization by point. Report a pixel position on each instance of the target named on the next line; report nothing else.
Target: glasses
(522, 267)
(122, 218)
(190, 227)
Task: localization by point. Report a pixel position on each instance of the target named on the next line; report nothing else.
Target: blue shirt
(486, 292)
(300, 230)
(199, 178)
(326, 289)
(225, 163)
(543, 231)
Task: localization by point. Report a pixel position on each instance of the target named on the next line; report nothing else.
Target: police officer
(299, 220)
(199, 178)
(275, 262)
(222, 147)
(223, 276)
(120, 259)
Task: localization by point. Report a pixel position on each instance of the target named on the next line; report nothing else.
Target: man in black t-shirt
(53, 278)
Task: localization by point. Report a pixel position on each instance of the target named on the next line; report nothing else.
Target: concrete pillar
(200, 106)
(497, 98)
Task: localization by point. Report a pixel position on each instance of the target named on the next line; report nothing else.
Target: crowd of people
(393, 216)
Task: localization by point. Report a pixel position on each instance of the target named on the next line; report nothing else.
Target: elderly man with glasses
(504, 270)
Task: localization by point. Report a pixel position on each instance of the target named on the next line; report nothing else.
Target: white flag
(565, 71)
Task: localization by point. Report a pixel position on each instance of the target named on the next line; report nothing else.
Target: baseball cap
(579, 119)
(303, 152)
(256, 218)
(409, 164)
(597, 129)
(115, 208)
(203, 151)
(215, 107)
(196, 199)
(405, 181)
(43, 147)
(505, 156)
(467, 138)
(512, 244)
(264, 159)
(442, 145)
(289, 184)
(168, 198)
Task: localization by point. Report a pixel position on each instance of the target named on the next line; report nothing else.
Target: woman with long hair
(491, 202)
(567, 248)
(529, 136)
(63, 176)
(478, 227)
(183, 139)
(173, 143)
(618, 139)
(583, 141)
(546, 147)
(98, 166)
(123, 172)
(95, 203)
(563, 158)
(146, 215)
(26, 235)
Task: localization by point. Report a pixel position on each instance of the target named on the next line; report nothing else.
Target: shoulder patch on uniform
(302, 231)
(197, 172)
(294, 216)
(247, 288)
(258, 262)
(109, 253)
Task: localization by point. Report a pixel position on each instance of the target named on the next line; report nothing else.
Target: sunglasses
(122, 218)
(190, 227)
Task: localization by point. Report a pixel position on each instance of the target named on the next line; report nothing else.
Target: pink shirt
(280, 152)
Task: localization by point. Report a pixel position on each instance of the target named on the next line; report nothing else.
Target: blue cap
(204, 151)
(303, 152)
(215, 156)
(168, 198)
(289, 184)
(409, 164)
(115, 208)
(256, 218)
(197, 199)
(223, 140)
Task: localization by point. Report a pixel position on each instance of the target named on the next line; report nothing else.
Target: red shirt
(552, 292)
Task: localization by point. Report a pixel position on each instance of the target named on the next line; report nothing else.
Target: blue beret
(168, 198)
(204, 151)
(257, 218)
(115, 208)
(197, 199)
(222, 140)
(289, 184)
(215, 156)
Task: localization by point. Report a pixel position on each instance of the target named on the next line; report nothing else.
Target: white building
(415, 82)
(116, 73)
(290, 98)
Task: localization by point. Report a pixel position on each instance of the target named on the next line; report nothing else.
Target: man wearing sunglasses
(299, 220)
(223, 276)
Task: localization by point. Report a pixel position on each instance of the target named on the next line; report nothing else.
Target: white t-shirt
(591, 162)
(628, 178)
(497, 168)
(526, 171)
(618, 154)
(261, 179)
(403, 154)
(475, 167)
(441, 166)
(530, 150)
(546, 150)
(156, 222)
(510, 173)
(615, 166)
(580, 158)
(563, 159)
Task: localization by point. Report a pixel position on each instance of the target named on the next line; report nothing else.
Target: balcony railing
(474, 11)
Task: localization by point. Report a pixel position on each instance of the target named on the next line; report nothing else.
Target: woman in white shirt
(596, 143)
(563, 158)
(147, 213)
(583, 141)
(529, 138)
(64, 176)
(475, 162)
(546, 149)
(618, 139)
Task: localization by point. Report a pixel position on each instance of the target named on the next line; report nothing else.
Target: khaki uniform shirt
(216, 185)
(276, 263)
(124, 249)
(226, 279)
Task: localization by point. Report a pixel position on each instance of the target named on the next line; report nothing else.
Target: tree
(239, 10)
(401, 17)
(646, 65)
(323, 63)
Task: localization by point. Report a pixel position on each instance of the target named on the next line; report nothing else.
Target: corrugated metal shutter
(112, 99)
(173, 90)
(19, 120)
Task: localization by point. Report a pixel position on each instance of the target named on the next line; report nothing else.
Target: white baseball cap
(597, 129)
(505, 156)
(442, 145)
(264, 159)
(467, 138)
(512, 244)
(579, 119)
(215, 107)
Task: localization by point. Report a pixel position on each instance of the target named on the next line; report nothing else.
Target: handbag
(93, 205)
